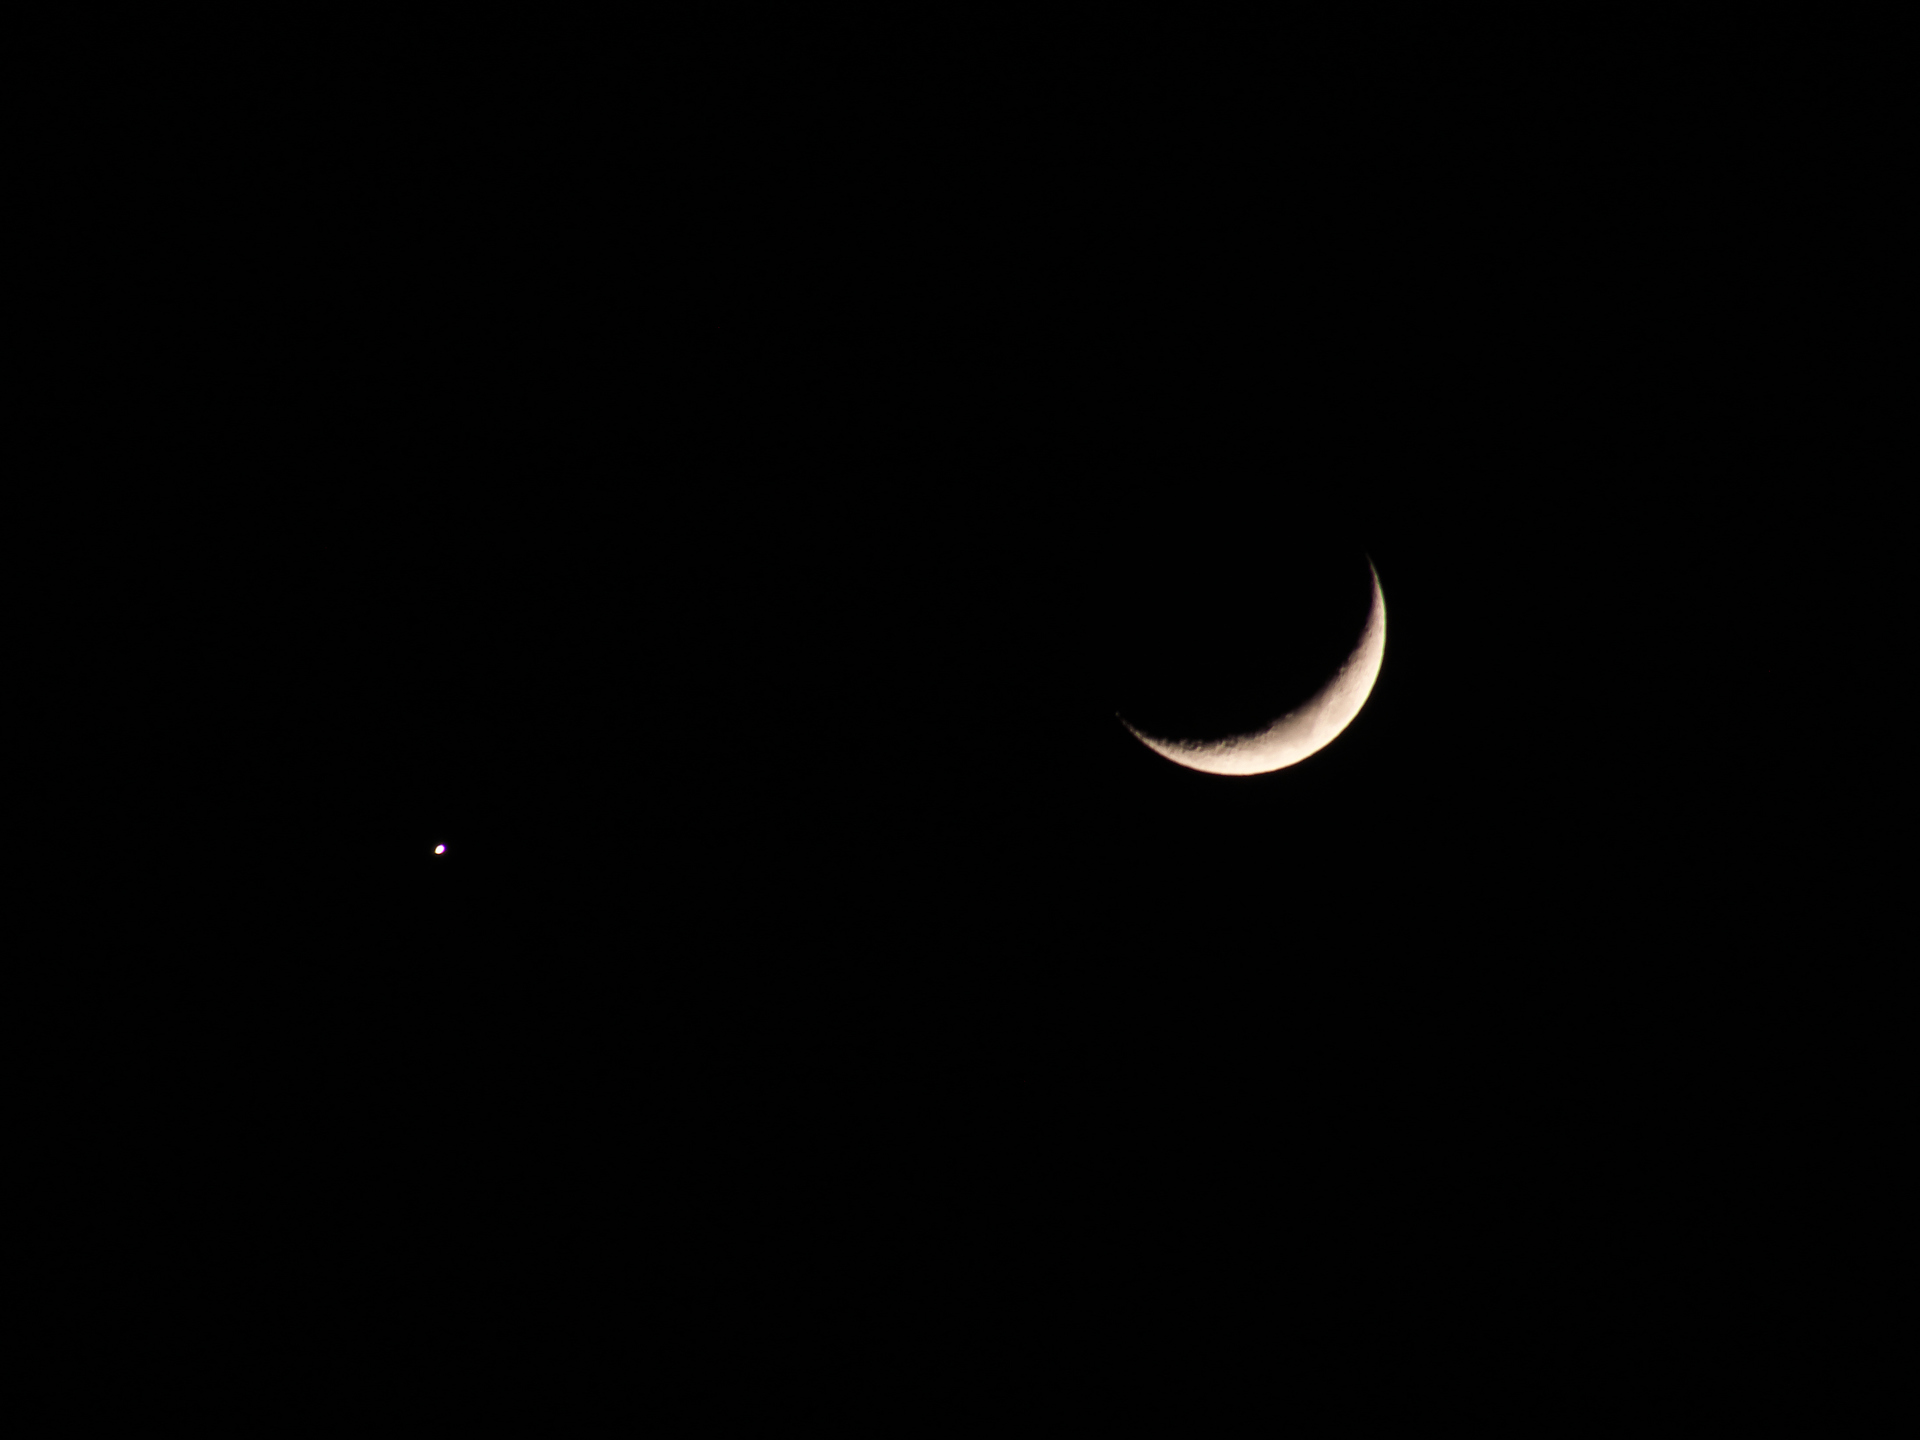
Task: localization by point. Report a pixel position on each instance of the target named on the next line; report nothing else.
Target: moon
(1302, 731)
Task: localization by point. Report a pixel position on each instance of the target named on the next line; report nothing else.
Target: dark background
(726, 503)
(769, 515)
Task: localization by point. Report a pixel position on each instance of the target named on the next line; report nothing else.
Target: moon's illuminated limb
(1298, 733)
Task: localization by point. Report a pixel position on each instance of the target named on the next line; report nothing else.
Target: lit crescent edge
(1301, 731)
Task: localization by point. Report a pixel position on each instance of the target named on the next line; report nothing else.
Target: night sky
(728, 517)
(758, 561)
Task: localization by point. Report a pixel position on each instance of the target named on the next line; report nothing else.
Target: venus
(1300, 732)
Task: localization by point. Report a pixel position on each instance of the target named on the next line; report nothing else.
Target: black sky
(781, 518)
(739, 532)
(728, 516)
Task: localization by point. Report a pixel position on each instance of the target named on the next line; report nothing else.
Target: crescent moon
(1300, 732)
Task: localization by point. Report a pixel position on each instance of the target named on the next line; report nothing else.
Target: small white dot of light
(439, 849)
